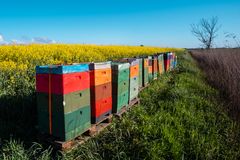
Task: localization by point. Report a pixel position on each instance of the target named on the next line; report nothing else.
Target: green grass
(180, 117)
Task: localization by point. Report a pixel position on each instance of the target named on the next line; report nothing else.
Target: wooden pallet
(98, 127)
(121, 112)
(142, 88)
(94, 130)
(133, 102)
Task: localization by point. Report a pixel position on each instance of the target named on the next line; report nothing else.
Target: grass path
(180, 117)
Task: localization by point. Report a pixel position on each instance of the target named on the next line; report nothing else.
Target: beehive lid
(100, 65)
(120, 65)
(140, 59)
(62, 69)
(132, 61)
(154, 56)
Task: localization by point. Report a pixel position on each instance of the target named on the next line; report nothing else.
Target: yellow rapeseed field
(17, 62)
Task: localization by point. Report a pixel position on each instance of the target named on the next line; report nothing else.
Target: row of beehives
(72, 97)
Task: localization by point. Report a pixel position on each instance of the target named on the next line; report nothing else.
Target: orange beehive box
(145, 62)
(150, 66)
(134, 71)
(155, 66)
(100, 76)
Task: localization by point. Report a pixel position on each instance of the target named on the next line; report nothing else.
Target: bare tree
(206, 31)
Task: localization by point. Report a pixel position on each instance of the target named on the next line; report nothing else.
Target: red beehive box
(101, 108)
(62, 83)
(166, 61)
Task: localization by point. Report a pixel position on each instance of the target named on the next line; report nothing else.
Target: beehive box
(145, 71)
(101, 90)
(120, 84)
(171, 61)
(160, 64)
(175, 61)
(133, 93)
(150, 68)
(155, 66)
(63, 100)
(134, 77)
(166, 61)
(140, 74)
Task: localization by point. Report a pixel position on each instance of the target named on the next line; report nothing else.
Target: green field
(180, 117)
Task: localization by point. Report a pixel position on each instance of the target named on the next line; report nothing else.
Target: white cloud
(1, 38)
(15, 41)
(43, 40)
(24, 40)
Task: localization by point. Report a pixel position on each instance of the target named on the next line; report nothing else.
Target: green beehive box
(120, 101)
(70, 114)
(150, 75)
(145, 76)
(120, 85)
(133, 93)
(155, 75)
(145, 64)
(161, 62)
(140, 74)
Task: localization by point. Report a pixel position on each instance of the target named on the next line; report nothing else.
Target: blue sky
(125, 22)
